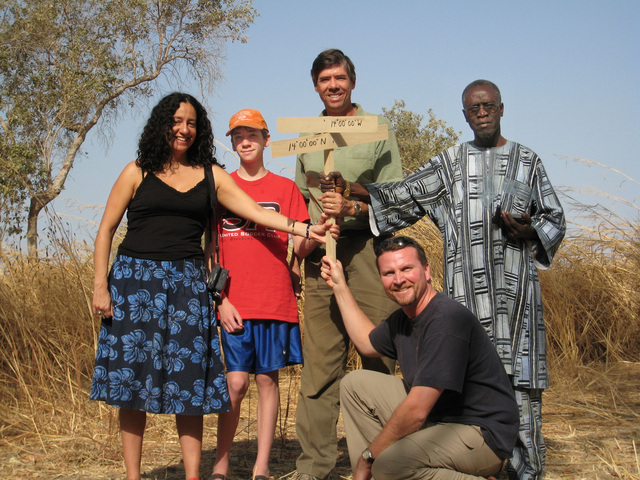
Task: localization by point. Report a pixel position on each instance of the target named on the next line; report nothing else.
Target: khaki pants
(443, 451)
(326, 345)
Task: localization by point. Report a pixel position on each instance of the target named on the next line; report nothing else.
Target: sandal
(217, 476)
(260, 477)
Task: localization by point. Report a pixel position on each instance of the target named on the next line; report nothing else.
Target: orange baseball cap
(247, 118)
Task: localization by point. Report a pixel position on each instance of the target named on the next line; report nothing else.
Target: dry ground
(592, 428)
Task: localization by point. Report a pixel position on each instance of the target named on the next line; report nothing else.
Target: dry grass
(49, 429)
(591, 417)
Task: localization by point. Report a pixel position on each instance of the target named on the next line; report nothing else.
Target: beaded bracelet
(307, 234)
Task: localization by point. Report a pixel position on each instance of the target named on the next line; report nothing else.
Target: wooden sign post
(336, 132)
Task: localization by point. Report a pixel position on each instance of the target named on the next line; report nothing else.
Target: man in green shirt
(326, 343)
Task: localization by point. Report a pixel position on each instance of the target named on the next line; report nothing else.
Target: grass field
(49, 429)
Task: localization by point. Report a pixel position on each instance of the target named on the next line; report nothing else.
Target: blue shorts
(262, 346)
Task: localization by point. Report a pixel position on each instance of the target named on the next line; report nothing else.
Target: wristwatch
(367, 456)
(357, 207)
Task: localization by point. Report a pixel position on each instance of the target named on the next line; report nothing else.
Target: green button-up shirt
(374, 162)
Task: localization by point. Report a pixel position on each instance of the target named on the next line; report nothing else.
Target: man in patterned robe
(500, 221)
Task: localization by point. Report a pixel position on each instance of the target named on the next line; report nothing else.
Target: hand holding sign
(336, 132)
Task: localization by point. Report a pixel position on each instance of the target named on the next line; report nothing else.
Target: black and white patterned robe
(496, 278)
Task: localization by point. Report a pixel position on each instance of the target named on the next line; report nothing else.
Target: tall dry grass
(47, 344)
(45, 353)
(47, 340)
(592, 292)
(592, 296)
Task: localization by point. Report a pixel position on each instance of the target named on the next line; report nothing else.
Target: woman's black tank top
(165, 224)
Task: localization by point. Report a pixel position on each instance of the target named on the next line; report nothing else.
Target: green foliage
(418, 143)
(66, 64)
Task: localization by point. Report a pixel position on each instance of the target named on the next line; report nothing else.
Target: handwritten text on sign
(368, 123)
(325, 141)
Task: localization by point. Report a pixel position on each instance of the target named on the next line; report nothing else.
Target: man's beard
(404, 299)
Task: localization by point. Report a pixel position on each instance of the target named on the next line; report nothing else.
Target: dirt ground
(591, 426)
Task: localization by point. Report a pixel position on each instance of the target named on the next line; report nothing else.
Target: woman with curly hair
(158, 348)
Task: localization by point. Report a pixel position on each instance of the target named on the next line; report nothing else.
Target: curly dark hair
(154, 149)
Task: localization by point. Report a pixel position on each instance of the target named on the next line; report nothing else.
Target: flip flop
(217, 476)
(260, 477)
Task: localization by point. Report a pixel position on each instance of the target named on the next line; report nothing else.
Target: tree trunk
(38, 202)
(54, 187)
(32, 227)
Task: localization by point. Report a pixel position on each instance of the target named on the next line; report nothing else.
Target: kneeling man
(453, 415)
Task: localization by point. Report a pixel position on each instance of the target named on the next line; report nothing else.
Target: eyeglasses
(400, 241)
(487, 107)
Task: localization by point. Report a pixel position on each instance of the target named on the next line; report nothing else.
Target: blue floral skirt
(160, 352)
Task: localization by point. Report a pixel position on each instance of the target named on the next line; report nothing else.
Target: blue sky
(568, 71)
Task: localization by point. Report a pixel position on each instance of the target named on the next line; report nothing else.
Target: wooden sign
(325, 141)
(335, 132)
(368, 124)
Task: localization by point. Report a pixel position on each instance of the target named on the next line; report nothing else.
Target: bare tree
(67, 64)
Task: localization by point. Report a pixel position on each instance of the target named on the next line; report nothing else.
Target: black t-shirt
(446, 347)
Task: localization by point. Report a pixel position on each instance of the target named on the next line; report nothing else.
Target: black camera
(497, 218)
(217, 281)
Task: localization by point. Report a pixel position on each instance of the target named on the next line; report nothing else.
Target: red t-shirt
(259, 283)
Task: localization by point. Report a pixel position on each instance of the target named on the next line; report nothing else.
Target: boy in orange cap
(258, 312)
